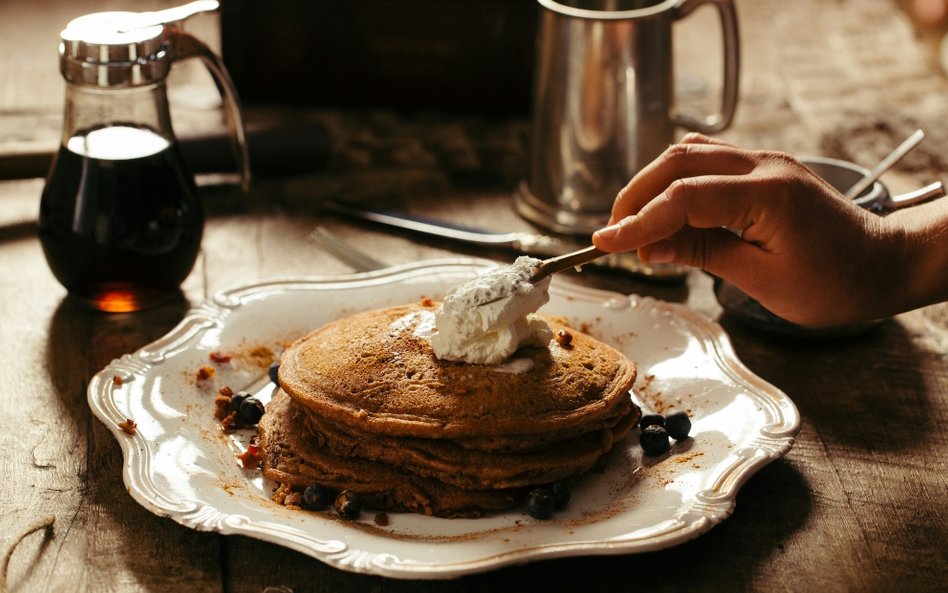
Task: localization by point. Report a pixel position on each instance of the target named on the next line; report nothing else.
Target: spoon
(551, 266)
(895, 156)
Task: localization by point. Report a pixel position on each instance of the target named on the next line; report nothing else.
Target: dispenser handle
(729, 94)
(186, 46)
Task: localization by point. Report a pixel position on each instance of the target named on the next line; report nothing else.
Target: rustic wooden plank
(859, 504)
(59, 460)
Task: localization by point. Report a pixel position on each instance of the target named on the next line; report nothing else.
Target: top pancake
(375, 371)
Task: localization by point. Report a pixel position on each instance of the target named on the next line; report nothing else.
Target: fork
(347, 254)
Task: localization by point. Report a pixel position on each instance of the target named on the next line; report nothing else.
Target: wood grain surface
(859, 504)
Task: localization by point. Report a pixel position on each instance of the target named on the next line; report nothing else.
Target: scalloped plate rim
(213, 312)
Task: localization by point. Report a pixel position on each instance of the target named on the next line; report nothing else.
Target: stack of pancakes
(365, 405)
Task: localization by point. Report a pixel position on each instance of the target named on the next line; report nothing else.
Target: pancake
(449, 462)
(376, 371)
(293, 457)
(364, 404)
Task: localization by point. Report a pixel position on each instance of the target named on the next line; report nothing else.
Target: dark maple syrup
(120, 218)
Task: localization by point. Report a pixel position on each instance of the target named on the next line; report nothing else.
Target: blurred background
(462, 58)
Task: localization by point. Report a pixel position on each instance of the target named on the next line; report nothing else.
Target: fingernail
(662, 252)
(608, 233)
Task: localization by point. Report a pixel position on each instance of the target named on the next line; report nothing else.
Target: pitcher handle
(719, 121)
(187, 46)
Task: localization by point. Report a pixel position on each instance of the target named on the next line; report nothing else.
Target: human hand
(767, 224)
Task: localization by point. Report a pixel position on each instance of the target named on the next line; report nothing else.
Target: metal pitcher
(604, 104)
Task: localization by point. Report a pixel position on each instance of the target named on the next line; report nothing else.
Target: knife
(527, 243)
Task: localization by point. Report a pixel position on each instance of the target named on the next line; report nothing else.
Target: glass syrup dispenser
(120, 218)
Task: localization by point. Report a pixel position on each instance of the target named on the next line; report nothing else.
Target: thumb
(717, 251)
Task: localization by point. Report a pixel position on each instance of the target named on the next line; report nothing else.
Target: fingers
(717, 251)
(698, 202)
(698, 138)
(698, 156)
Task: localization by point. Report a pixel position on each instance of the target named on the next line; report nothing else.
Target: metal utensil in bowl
(885, 164)
(875, 197)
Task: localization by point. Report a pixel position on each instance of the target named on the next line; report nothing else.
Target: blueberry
(678, 425)
(237, 399)
(654, 440)
(561, 494)
(250, 411)
(316, 497)
(651, 420)
(540, 502)
(272, 371)
(348, 504)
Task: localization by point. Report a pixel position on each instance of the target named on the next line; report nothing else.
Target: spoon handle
(895, 156)
(559, 263)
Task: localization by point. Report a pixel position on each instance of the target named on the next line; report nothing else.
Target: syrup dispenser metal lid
(122, 49)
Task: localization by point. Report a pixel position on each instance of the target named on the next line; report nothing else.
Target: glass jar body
(120, 217)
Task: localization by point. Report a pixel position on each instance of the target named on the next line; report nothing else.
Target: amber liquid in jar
(120, 219)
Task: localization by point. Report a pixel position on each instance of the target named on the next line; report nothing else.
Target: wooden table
(859, 504)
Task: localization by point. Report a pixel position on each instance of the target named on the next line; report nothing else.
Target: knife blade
(533, 244)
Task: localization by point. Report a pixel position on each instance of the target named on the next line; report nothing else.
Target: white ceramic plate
(179, 464)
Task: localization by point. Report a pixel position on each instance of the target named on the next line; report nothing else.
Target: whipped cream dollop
(485, 320)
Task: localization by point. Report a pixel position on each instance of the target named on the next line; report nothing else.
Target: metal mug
(603, 103)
